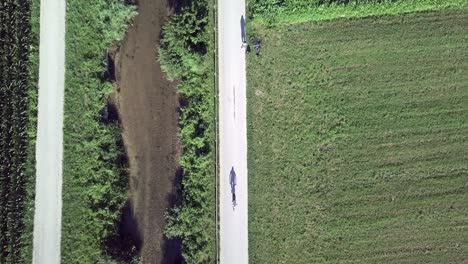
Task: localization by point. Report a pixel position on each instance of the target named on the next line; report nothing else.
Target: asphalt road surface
(49, 147)
(232, 133)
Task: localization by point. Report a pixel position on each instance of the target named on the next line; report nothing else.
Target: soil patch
(148, 104)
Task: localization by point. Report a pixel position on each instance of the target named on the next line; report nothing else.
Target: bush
(94, 167)
(183, 56)
(185, 42)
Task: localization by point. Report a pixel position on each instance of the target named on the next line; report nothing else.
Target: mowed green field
(358, 141)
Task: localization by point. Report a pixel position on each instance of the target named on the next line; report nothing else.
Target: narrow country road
(232, 133)
(49, 147)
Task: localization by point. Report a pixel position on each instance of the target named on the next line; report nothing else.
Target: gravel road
(49, 147)
(232, 133)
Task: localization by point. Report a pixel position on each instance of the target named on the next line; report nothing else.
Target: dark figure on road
(242, 25)
(233, 182)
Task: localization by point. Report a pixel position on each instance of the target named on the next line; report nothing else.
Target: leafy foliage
(94, 167)
(183, 56)
(185, 42)
(358, 141)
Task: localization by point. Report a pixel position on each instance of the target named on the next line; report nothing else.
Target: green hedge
(184, 57)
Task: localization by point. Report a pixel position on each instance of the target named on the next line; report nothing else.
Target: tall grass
(27, 237)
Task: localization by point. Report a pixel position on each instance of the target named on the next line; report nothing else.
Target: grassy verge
(358, 141)
(94, 167)
(293, 12)
(26, 254)
(186, 56)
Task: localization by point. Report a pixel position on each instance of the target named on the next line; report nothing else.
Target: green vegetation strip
(94, 168)
(358, 141)
(275, 12)
(186, 56)
(27, 237)
(14, 125)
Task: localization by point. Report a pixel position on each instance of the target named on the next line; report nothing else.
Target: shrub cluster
(94, 166)
(184, 57)
(14, 85)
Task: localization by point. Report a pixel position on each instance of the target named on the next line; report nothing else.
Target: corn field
(14, 77)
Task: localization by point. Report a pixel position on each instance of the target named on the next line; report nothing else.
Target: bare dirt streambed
(147, 105)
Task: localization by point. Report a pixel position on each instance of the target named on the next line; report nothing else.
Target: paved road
(49, 148)
(232, 133)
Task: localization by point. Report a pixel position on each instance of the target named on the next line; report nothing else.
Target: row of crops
(14, 83)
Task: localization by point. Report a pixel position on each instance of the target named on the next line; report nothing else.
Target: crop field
(358, 141)
(14, 84)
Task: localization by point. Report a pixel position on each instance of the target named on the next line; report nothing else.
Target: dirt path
(148, 110)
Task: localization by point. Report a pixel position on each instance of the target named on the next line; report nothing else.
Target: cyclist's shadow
(233, 182)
